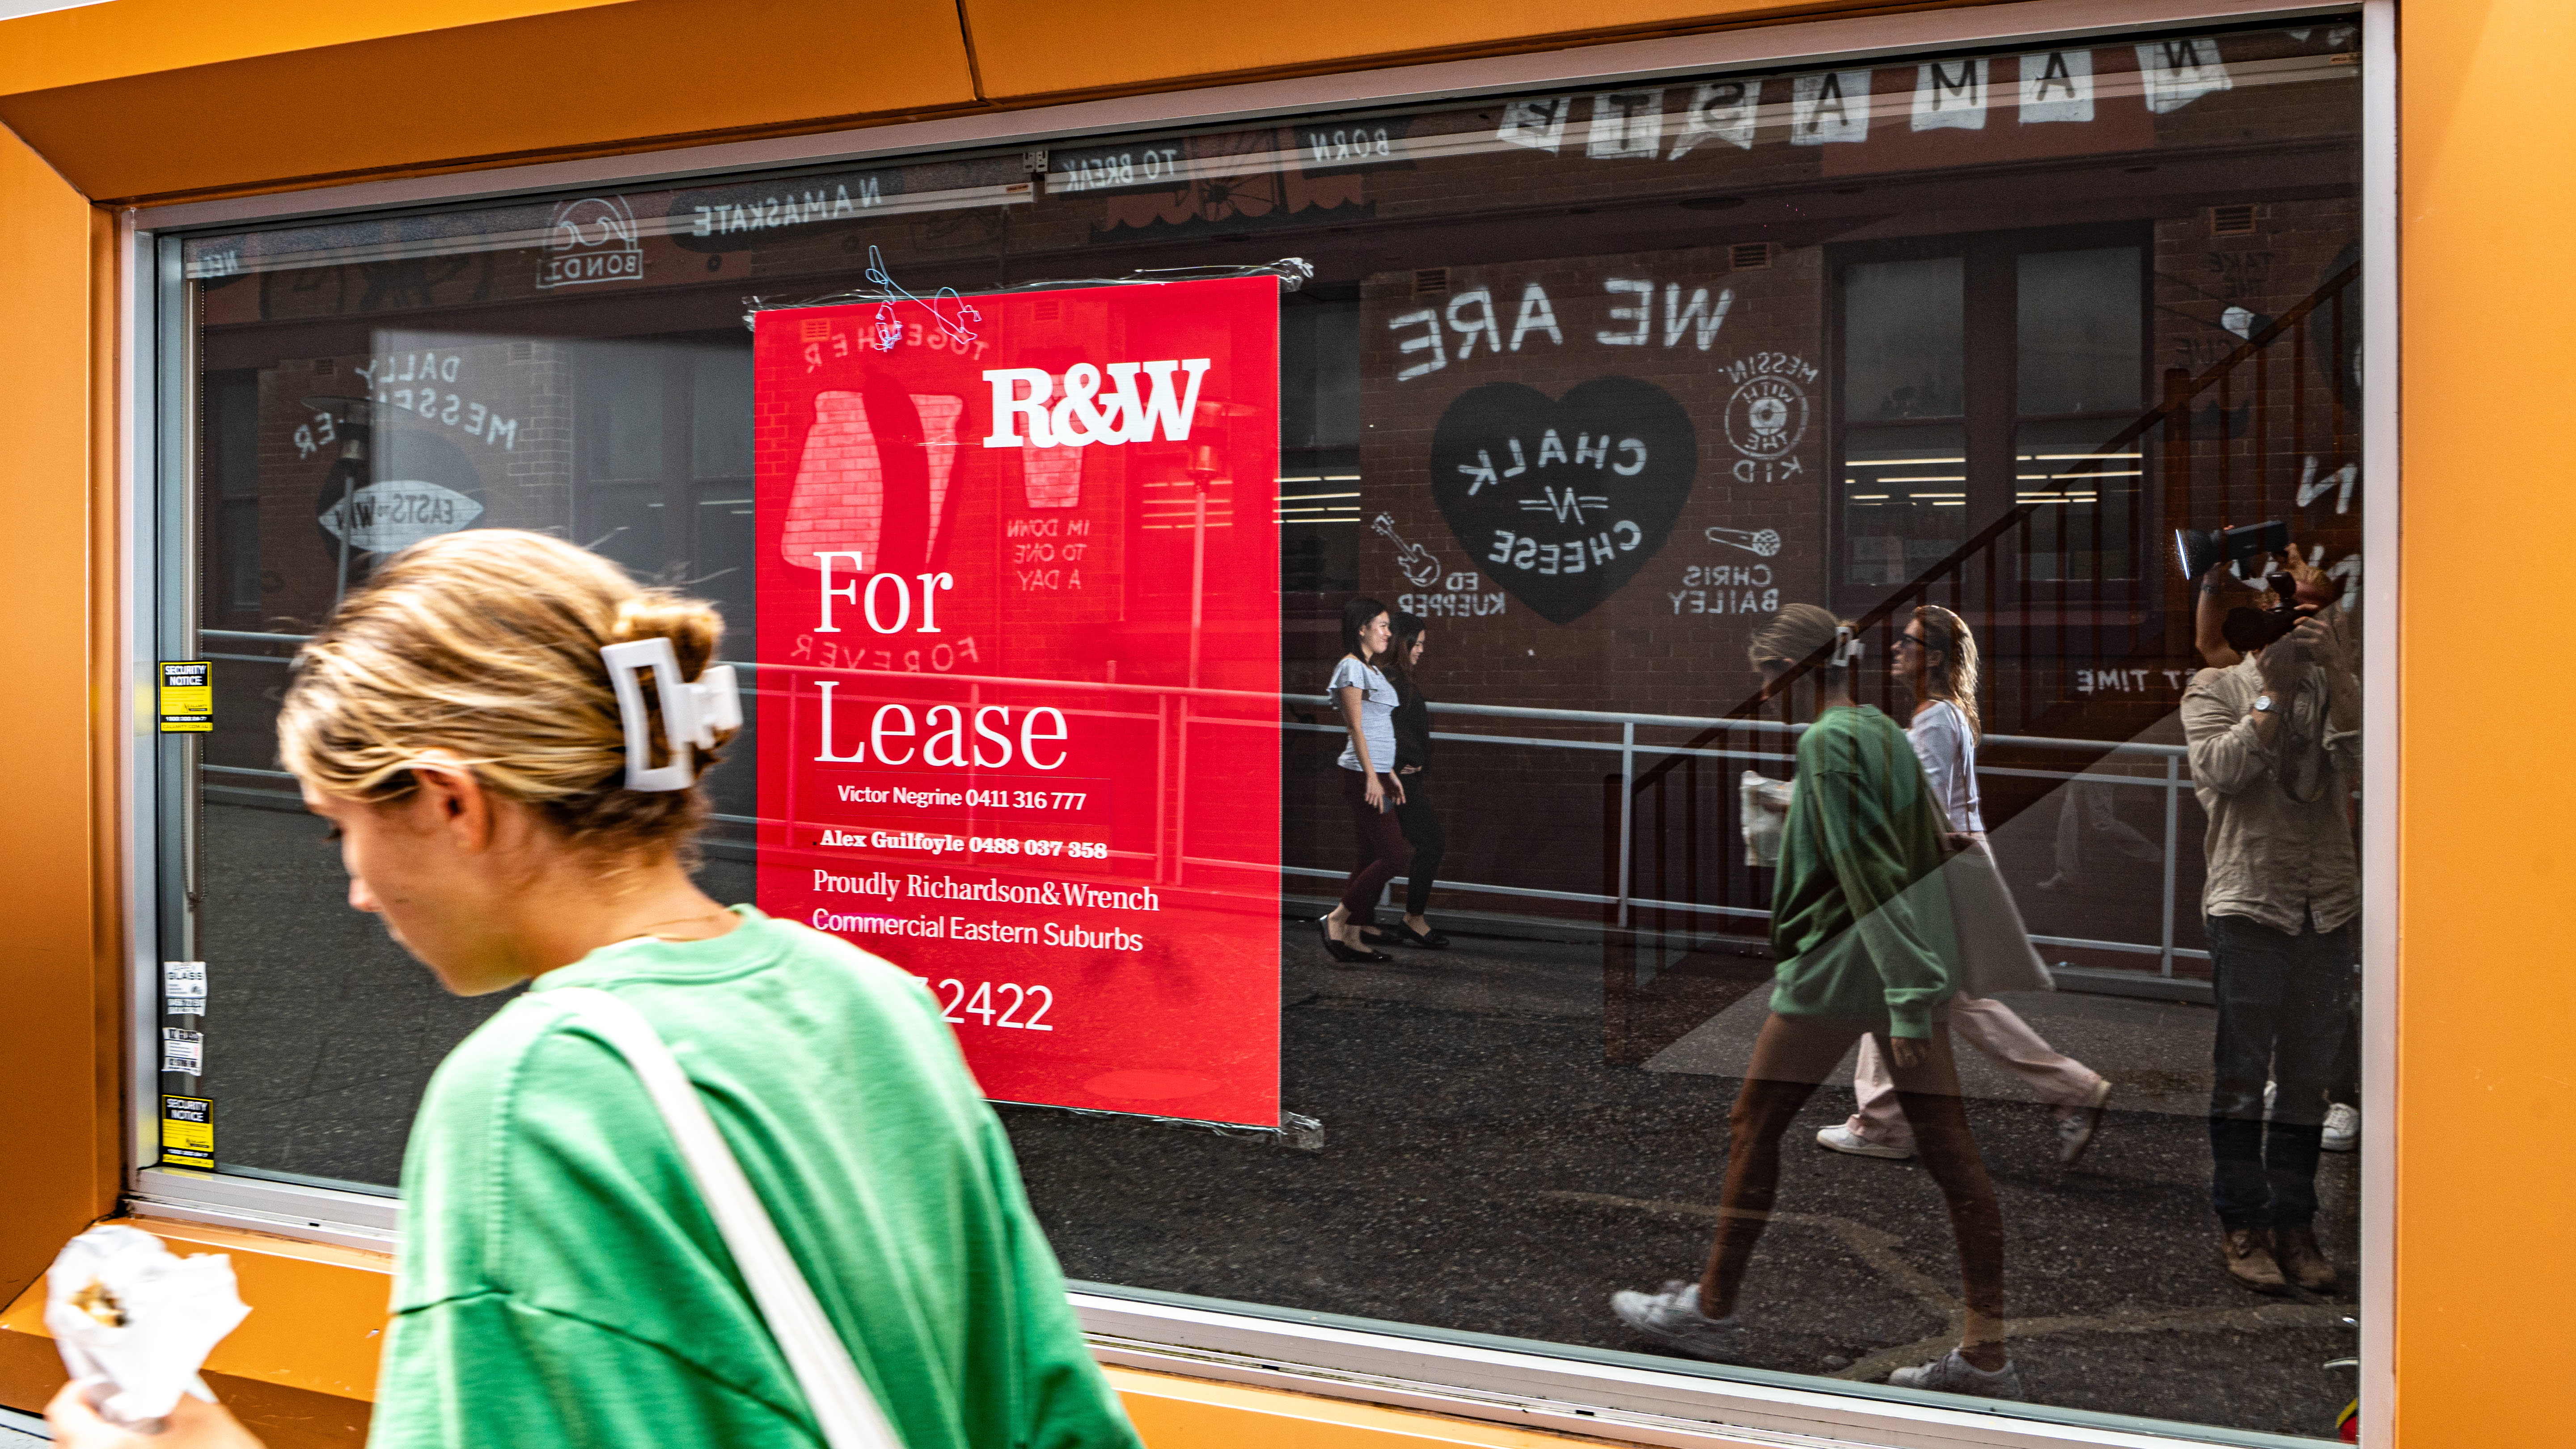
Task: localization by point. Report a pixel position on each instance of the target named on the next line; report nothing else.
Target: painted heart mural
(1563, 499)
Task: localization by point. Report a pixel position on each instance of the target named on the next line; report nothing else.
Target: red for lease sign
(1018, 641)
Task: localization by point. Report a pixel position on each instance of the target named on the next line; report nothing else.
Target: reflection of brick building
(486, 420)
(2217, 170)
(1680, 323)
(2249, 440)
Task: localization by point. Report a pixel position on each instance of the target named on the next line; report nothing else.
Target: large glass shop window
(2050, 351)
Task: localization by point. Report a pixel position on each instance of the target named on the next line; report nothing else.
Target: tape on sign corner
(188, 1132)
(1295, 1129)
(1293, 273)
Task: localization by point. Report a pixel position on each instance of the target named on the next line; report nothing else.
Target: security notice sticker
(1019, 660)
(188, 1132)
(187, 697)
(183, 1051)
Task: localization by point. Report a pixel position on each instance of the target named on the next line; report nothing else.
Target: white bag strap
(849, 1415)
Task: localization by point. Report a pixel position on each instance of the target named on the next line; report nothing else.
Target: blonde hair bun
(484, 646)
(692, 625)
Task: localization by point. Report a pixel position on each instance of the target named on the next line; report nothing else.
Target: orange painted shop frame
(122, 113)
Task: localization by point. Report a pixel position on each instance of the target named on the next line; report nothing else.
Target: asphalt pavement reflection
(1487, 1168)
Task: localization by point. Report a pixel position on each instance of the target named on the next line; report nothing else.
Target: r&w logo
(1091, 410)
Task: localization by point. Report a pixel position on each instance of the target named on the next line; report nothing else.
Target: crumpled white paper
(173, 1312)
(1765, 815)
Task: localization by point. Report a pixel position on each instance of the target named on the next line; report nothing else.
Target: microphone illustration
(1764, 541)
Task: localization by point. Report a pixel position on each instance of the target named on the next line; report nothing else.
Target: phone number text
(986, 1007)
(1027, 799)
(1005, 845)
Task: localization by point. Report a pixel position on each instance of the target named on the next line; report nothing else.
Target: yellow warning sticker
(188, 1132)
(187, 697)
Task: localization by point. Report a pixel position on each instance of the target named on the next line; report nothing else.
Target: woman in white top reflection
(1937, 659)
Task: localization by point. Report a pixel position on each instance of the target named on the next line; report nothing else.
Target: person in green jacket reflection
(1860, 925)
(560, 1281)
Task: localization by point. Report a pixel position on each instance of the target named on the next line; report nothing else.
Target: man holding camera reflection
(2275, 751)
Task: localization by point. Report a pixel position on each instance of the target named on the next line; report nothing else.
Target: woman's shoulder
(537, 1108)
(1942, 729)
(792, 969)
(1849, 722)
(486, 1065)
(785, 970)
(1837, 737)
(850, 972)
(537, 1079)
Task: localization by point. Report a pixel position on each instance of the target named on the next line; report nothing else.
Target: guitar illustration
(1763, 541)
(1419, 567)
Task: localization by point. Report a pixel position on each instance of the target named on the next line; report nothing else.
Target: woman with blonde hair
(506, 734)
(1937, 658)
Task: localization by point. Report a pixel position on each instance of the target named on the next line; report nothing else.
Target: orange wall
(1033, 49)
(575, 79)
(138, 37)
(2487, 1114)
(311, 93)
(58, 1000)
(118, 95)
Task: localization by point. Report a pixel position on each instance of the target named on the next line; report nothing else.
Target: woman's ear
(450, 798)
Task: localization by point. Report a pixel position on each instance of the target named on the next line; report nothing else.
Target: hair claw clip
(1847, 647)
(691, 713)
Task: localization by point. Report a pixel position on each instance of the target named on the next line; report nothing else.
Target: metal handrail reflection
(2172, 779)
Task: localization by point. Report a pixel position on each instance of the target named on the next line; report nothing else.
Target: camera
(2203, 549)
(2249, 630)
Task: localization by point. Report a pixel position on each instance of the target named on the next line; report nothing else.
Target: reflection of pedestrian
(1421, 819)
(1861, 957)
(2342, 1131)
(561, 1280)
(2275, 748)
(2084, 808)
(1937, 658)
(1367, 700)
(2315, 591)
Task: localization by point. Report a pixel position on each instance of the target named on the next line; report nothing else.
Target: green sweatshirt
(561, 1284)
(1852, 939)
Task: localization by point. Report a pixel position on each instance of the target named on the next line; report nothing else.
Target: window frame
(1990, 417)
(1561, 1388)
